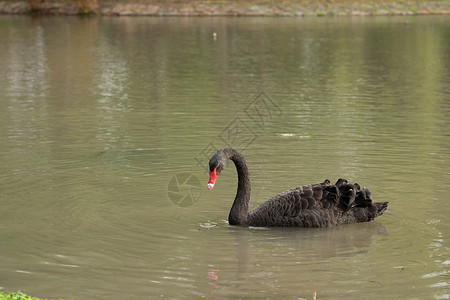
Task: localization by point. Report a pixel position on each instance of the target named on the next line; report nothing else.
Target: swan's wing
(318, 205)
(308, 206)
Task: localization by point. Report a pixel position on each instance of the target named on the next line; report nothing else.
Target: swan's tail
(381, 207)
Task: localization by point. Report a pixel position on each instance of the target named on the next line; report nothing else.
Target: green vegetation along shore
(17, 296)
(296, 8)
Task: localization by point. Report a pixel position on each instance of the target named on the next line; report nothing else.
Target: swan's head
(215, 167)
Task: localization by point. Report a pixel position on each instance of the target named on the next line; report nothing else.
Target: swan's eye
(219, 169)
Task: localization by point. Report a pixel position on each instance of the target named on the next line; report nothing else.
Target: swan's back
(318, 205)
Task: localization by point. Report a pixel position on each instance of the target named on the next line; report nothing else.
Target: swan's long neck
(239, 211)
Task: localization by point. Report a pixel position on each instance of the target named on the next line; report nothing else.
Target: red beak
(212, 179)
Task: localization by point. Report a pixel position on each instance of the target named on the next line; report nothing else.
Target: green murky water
(107, 124)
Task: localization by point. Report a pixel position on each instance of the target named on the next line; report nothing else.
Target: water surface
(103, 119)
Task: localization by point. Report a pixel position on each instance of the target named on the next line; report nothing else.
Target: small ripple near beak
(210, 186)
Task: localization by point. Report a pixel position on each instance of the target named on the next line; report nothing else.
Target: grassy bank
(227, 7)
(18, 296)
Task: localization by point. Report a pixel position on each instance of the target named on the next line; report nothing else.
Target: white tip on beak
(210, 186)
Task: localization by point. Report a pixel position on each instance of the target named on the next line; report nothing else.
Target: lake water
(107, 125)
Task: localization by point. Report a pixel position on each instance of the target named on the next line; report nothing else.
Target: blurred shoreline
(225, 8)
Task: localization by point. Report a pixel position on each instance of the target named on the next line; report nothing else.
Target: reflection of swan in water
(334, 242)
(315, 205)
(297, 263)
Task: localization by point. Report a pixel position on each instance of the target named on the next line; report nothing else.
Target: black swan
(315, 205)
